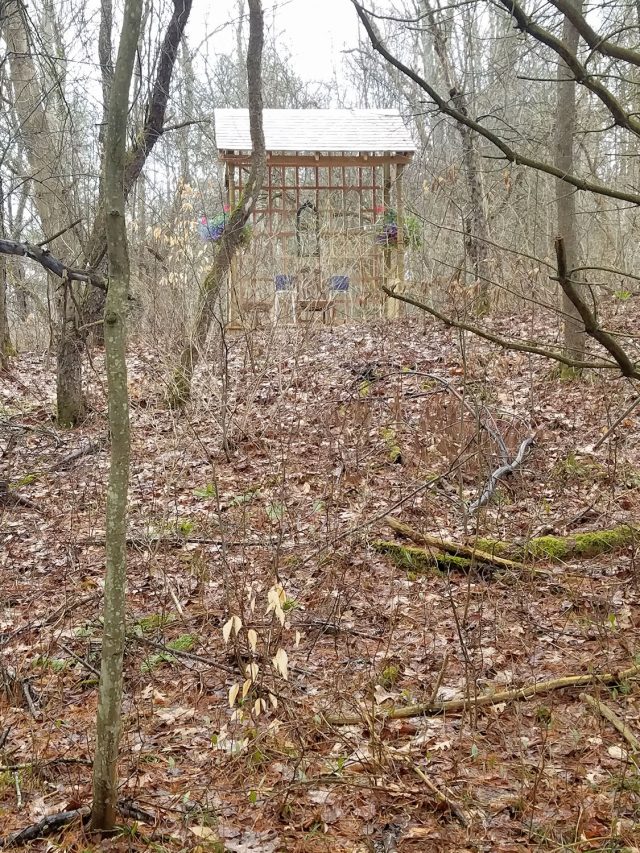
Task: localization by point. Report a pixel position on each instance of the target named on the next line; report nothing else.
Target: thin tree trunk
(574, 334)
(105, 769)
(232, 235)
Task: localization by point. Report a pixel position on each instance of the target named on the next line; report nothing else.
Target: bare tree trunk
(574, 334)
(476, 224)
(232, 235)
(105, 768)
(43, 152)
(5, 337)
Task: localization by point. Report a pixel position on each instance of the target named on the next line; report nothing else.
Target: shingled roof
(316, 131)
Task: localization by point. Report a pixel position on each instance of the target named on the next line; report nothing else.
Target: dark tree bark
(574, 334)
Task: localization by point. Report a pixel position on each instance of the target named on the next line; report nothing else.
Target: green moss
(154, 622)
(560, 548)
(419, 560)
(491, 546)
(391, 440)
(603, 541)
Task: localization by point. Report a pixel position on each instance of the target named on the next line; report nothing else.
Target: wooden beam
(319, 159)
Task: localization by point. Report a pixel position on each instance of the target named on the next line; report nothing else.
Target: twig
(52, 237)
(10, 768)
(616, 423)
(85, 450)
(454, 548)
(26, 689)
(433, 709)
(500, 474)
(16, 782)
(614, 719)
(438, 684)
(177, 603)
(187, 655)
(443, 796)
(591, 326)
(80, 660)
(505, 343)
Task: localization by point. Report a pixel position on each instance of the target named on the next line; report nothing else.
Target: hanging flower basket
(211, 230)
(387, 229)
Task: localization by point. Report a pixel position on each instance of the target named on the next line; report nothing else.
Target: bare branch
(505, 343)
(51, 263)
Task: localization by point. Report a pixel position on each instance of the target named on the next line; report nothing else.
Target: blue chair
(285, 286)
(339, 283)
(339, 286)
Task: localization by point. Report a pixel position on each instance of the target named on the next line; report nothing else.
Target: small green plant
(154, 622)
(275, 511)
(390, 439)
(543, 715)
(54, 664)
(245, 497)
(208, 491)
(183, 643)
(623, 295)
(25, 481)
(389, 676)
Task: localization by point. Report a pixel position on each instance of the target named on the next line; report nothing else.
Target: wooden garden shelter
(332, 178)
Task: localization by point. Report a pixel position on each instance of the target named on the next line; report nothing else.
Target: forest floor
(326, 432)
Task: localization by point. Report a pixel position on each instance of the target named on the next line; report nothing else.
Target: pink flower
(226, 208)
(379, 208)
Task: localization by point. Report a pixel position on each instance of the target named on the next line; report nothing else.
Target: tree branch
(526, 25)
(591, 37)
(505, 343)
(51, 263)
(591, 326)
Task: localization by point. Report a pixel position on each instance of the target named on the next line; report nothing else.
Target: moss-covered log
(457, 549)
(562, 548)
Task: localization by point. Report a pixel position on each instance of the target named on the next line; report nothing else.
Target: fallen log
(527, 691)
(562, 548)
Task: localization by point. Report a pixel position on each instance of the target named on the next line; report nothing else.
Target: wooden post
(386, 201)
(400, 248)
(233, 307)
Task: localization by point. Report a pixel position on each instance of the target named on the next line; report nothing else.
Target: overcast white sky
(314, 31)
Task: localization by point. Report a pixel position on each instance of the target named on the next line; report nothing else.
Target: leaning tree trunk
(146, 139)
(5, 337)
(574, 334)
(105, 768)
(232, 234)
